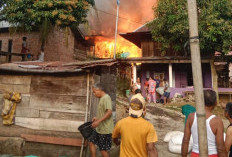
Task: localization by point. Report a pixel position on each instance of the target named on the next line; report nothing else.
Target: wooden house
(174, 66)
(56, 98)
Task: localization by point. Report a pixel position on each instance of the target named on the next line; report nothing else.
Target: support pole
(134, 73)
(170, 74)
(86, 112)
(197, 77)
(116, 33)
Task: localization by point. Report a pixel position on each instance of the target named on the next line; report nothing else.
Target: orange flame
(104, 47)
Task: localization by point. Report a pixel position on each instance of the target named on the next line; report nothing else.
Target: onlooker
(24, 45)
(214, 126)
(133, 89)
(137, 84)
(138, 136)
(160, 92)
(103, 123)
(24, 48)
(166, 91)
(157, 80)
(228, 115)
(146, 86)
(41, 55)
(152, 90)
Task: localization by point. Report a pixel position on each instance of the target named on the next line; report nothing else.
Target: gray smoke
(132, 14)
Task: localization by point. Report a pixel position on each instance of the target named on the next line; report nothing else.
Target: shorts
(193, 154)
(166, 94)
(103, 141)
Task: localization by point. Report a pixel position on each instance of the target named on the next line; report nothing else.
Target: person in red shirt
(152, 90)
(146, 86)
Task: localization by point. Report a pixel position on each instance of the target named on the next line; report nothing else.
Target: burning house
(174, 66)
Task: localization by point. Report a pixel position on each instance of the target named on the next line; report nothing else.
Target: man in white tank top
(214, 126)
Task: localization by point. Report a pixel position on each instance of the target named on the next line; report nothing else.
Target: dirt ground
(164, 118)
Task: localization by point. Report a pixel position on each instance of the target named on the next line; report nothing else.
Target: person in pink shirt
(151, 90)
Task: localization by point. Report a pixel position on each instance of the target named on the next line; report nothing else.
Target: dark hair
(147, 79)
(210, 97)
(228, 109)
(137, 91)
(165, 79)
(24, 38)
(99, 86)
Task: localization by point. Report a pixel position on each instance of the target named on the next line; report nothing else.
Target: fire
(104, 47)
(102, 22)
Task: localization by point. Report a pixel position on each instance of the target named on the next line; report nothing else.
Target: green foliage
(43, 15)
(170, 26)
(32, 13)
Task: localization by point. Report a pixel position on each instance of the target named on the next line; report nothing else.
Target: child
(166, 91)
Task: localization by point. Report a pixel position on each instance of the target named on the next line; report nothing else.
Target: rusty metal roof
(55, 66)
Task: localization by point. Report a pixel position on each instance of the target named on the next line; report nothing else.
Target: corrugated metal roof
(54, 67)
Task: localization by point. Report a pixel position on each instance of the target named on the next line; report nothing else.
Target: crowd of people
(155, 89)
(137, 137)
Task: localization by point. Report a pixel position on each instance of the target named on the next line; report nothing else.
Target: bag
(175, 144)
(86, 129)
(170, 134)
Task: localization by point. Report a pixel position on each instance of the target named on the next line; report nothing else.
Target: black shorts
(166, 94)
(103, 141)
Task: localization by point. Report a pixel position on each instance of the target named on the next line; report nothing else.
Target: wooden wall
(55, 103)
(153, 49)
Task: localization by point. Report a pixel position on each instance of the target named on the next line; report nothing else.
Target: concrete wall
(56, 47)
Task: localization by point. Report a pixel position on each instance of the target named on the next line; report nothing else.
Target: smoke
(132, 14)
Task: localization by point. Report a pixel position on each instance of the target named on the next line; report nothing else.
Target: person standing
(146, 86)
(214, 127)
(24, 48)
(152, 90)
(137, 84)
(103, 123)
(41, 55)
(166, 91)
(138, 136)
(24, 45)
(228, 142)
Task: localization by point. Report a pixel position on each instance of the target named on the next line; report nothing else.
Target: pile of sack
(174, 139)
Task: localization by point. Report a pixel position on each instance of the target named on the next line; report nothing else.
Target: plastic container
(127, 92)
(86, 129)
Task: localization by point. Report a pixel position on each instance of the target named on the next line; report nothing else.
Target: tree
(170, 26)
(42, 15)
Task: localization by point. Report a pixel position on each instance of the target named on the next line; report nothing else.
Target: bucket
(86, 129)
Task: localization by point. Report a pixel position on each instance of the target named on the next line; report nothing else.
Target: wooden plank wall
(48, 102)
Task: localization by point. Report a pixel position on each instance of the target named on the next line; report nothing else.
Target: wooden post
(214, 79)
(134, 73)
(197, 78)
(170, 74)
